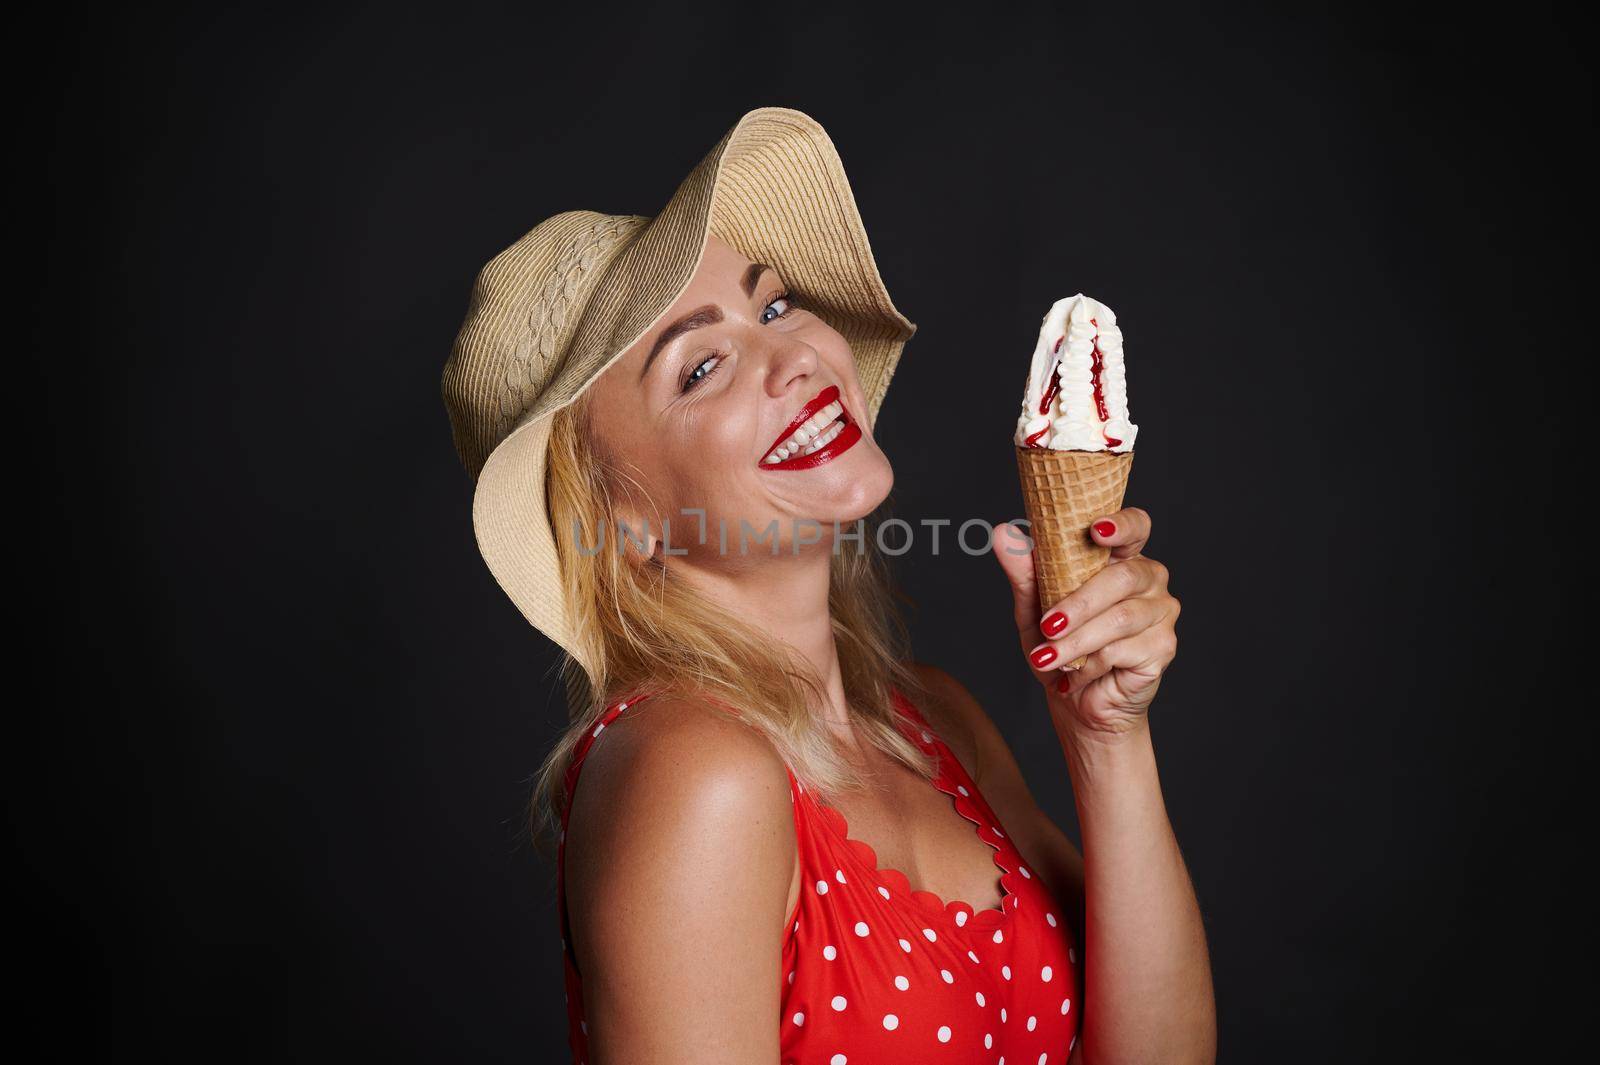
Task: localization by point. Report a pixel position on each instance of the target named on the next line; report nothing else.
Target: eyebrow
(751, 276)
(701, 316)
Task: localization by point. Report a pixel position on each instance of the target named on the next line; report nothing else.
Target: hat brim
(775, 190)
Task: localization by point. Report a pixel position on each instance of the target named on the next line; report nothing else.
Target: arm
(680, 853)
(1147, 974)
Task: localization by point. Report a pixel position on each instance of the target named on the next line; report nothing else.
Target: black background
(287, 719)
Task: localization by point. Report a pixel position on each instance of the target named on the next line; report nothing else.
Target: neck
(785, 596)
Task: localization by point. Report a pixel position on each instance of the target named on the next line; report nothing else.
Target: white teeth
(816, 432)
(814, 425)
(826, 438)
(823, 418)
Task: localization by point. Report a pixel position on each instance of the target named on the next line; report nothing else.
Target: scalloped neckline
(990, 917)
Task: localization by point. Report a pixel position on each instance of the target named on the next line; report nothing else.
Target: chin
(863, 494)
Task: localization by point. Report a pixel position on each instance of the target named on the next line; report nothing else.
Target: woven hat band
(524, 309)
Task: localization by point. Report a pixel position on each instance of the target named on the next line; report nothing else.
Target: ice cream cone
(1063, 492)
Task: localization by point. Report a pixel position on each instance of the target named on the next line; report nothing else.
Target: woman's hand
(1122, 618)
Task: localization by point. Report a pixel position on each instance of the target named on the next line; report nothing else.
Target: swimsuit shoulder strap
(587, 740)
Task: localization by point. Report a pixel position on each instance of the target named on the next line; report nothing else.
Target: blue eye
(782, 297)
(695, 376)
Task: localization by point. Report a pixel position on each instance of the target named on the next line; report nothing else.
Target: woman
(792, 844)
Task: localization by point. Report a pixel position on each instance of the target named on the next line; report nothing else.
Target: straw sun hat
(551, 312)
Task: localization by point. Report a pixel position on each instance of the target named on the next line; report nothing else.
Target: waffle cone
(1063, 492)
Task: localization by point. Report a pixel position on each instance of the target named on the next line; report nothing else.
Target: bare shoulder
(679, 856)
(668, 773)
(688, 750)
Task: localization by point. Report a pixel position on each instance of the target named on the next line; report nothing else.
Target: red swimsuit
(875, 973)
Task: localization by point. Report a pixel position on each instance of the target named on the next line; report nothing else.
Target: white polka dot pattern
(877, 971)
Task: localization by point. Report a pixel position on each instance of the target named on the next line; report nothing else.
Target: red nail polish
(1064, 684)
(1042, 657)
(1053, 623)
(1104, 529)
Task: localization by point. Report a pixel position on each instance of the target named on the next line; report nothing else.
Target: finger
(1142, 660)
(1128, 618)
(1014, 550)
(1126, 532)
(1126, 580)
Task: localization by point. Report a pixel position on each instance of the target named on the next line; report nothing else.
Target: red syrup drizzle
(1032, 439)
(1099, 394)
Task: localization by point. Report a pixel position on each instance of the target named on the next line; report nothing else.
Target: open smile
(822, 430)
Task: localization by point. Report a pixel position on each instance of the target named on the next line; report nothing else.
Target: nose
(792, 361)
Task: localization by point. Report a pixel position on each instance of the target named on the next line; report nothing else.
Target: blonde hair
(648, 632)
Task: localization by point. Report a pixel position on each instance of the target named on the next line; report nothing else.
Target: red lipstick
(844, 441)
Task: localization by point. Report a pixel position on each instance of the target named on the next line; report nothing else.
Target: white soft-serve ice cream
(1077, 395)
